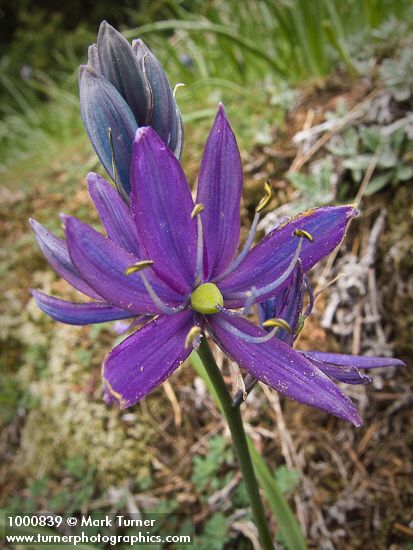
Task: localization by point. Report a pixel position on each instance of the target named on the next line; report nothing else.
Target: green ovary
(206, 298)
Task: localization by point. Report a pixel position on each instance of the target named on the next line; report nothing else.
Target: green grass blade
(205, 26)
(340, 48)
(287, 523)
(198, 365)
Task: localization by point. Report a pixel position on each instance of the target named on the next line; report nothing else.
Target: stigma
(207, 299)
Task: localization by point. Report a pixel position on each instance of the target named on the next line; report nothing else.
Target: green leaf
(215, 534)
(348, 147)
(397, 138)
(360, 162)
(404, 172)
(388, 158)
(302, 182)
(370, 137)
(378, 182)
(352, 139)
(286, 479)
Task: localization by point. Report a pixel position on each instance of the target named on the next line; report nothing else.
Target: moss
(69, 418)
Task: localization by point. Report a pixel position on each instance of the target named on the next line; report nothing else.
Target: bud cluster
(124, 87)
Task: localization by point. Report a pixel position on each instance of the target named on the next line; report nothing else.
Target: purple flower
(288, 305)
(123, 87)
(176, 261)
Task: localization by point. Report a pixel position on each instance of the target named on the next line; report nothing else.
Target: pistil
(207, 299)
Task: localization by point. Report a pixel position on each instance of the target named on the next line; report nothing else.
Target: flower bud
(121, 88)
(104, 110)
(165, 118)
(119, 65)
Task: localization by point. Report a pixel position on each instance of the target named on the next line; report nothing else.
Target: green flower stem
(233, 416)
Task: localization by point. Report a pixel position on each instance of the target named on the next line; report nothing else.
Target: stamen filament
(229, 312)
(247, 337)
(249, 302)
(198, 208)
(253, 229)
(279, 281)
(245, 249)
(167, 310)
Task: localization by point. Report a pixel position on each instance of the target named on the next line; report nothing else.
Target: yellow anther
(138, 266)
(266, 198)
(305, 234)
(277, 322)
(177, 85)
(190, 337)
(198, 208)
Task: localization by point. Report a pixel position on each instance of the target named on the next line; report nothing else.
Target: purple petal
(348, 374)
(56, 253)
(102, 264)
(311, 298)
(270, 258)
(287, 305)
(115, 215)
(161, 204)
(102, 107)
(120, 327)
(145, 359)
(219, 190)
(359, 361)
(280, 367)
(291, 307)
(74, 313)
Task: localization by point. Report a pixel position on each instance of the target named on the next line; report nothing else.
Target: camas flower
(123, 87)
(175, 260)
(289, 306)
